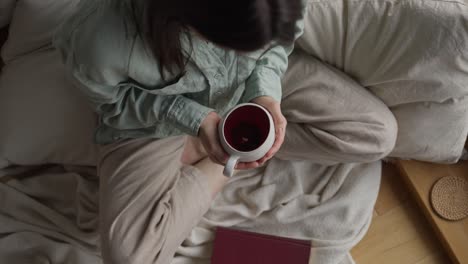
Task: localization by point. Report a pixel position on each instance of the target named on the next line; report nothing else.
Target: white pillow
(6, 11)
(33, 25)
(412, 55)
(42, 119)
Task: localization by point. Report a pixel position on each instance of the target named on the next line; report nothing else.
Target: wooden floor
(399, 233)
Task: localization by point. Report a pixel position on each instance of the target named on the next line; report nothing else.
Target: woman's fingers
(217, 153)
(280, 122)
(247, 165)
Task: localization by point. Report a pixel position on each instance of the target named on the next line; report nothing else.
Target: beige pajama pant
(149, 201)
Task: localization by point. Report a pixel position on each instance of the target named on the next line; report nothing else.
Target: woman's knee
(366, 137)
(385, 134)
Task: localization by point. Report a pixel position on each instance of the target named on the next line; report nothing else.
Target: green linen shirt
(108, 61)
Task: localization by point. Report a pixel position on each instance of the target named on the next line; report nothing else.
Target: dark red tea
(246, 128)
(246, 137)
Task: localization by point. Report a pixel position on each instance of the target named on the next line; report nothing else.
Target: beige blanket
(51, 213)
(50, 216)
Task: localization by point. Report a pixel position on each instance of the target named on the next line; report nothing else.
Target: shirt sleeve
(129, 106)
(99, 66)
(137, 108)
(265, 79)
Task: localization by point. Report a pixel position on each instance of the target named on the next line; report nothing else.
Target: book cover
(242, 247)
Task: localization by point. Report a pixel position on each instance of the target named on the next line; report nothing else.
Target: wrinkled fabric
(412, 54)
(323, 191)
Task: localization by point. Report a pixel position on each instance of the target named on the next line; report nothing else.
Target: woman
(154, 69)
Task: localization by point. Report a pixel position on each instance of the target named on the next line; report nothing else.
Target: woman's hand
(209, 137)
(280, 121)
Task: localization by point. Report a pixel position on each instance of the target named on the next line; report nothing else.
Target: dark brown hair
(243, 25)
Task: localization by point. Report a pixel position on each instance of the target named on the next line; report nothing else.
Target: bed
(412, 55)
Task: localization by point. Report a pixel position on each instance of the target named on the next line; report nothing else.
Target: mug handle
(230, 165)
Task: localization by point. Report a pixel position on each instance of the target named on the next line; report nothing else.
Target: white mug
(246, 133)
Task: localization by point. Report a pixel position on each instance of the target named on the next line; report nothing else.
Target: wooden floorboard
(399, 232)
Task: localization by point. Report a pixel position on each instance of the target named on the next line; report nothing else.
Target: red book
(241, 247)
